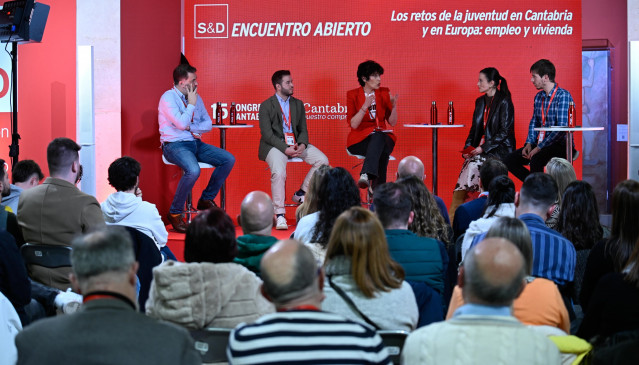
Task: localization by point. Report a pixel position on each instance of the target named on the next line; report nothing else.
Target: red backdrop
(236, 49)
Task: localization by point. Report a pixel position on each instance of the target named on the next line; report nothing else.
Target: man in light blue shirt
(183, 119)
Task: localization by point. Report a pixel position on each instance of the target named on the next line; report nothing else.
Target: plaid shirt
(557, 116)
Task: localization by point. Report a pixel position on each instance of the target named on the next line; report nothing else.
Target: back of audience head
(256, 214)
(291, 275)
(336, 193)
(26, 172)
(124, 173)
(631, 268)
(359, 235)
(411, 166)
(537, 195)
(210, 238)
(493, 273)
(62, 154)
(625, 230)
(515, 231)
(490, 169)
(427, 219)
(393, 206)
(104, 260)
(310, 199)
(579, 216)
(500, 191)
(4, 180)
(562, 171)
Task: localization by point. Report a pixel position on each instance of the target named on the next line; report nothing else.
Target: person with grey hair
(56, 211)
(108, 328)
(294, 283)
(483, 331)
(256, 219)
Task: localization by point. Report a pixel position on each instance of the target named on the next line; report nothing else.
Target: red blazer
(354, 100)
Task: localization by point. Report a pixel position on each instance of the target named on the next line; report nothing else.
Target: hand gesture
(369, 101)
(291, 151)
(476, 151)
(191, 94)
(526, 151)
(393, 100)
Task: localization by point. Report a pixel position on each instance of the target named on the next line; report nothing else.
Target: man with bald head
(483, 331)
(294, 284)
(256, 219)
(413, 166)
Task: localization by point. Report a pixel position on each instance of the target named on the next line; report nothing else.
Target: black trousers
(516, 162)
(376, 148)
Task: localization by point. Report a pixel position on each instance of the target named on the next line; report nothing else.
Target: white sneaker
(363, 181)
(281, 223)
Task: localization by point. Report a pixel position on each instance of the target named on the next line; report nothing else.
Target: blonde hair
(562, 171)
(358, 235)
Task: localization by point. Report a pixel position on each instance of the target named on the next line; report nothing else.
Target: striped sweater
(305, 337)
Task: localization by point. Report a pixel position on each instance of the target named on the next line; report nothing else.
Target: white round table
(435, 128)
(569, 131)
(223, 128)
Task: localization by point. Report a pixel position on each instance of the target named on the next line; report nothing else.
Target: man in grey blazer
(284, 137)
(108, 329)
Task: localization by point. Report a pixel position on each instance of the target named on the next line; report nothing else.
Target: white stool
(188, 205)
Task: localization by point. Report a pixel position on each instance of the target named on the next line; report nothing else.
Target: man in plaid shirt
(551, 109)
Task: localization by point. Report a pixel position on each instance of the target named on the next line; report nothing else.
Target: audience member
(578, 221)
(474, 209)
(540, 303)
(362, 280)
(8, 220)
(612, 255)
(492, 276)
(8, 331)
(413, 166)
(300, 332)
(54, 212)
(337, 193)
(26, 174)
(553, 255)
(423, 259)
(614, 304)
(562, 171)
(500, 203)
(210, 290)
(427, 220)
(256, 219)
(125, 207)
(309, 205)
(107, 329)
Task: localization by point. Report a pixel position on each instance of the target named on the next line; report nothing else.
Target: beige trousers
(277, 161)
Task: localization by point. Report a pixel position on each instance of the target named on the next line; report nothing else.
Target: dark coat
(500, 127)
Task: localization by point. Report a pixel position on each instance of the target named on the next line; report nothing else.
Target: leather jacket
(500, 127)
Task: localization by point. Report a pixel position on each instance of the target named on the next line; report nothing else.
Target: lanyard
(543, 98)
(287, 120)
(487, 111)
(107, 295)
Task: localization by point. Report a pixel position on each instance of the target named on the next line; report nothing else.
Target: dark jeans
(516, 162)
(376, 148)
(186, 155)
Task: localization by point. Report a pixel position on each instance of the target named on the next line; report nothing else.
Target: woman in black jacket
(492, 133)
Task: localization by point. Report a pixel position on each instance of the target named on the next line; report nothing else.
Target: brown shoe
(177, 221)
(204, 204)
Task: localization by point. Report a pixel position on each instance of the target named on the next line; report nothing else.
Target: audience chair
(148, 256)
(394, 343)
(188, 209)
(211, 343)
(49, 256)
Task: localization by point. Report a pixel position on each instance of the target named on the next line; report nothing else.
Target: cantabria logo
(211, 20)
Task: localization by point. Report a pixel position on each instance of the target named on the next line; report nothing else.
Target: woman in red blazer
(370, 107)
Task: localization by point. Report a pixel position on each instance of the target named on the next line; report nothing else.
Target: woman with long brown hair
(363, 283)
